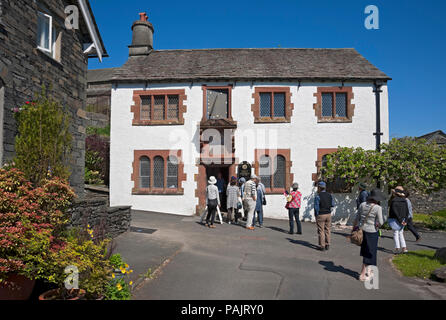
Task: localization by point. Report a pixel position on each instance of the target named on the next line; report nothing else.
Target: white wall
(303, 136)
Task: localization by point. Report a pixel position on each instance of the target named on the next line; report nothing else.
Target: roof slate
(249, 64)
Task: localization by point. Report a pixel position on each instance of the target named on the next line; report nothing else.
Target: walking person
(363, 194)
(369, 218)
(221, 184)
(259, 204)
(410, 225)
(398, 215)
(249, 199)
(323, 205)
(212, 201)
(293, 207)
(232, 195)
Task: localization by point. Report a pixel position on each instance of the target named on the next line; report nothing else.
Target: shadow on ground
(330, 266)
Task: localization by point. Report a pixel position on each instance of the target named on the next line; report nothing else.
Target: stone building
(180, 116)
(37, 48)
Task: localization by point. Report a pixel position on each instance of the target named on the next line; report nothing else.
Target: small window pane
(279, 105)
(265, 170)
(280, 172)
(43, 31)
(265, 104)
(146, 103)
(158, 172)
(172, 109)
(341, 105)
(158, 108)
(172, 172)
(144, 172)
(327, 104)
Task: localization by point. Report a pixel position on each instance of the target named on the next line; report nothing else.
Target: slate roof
(249, 64)
(100, 75)
(438, 137)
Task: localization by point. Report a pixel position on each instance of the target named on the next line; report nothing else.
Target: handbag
(264, 201)
(357, 236)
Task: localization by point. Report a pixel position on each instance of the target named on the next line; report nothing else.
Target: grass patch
(418, 264)
(105, 132)
(435, 221)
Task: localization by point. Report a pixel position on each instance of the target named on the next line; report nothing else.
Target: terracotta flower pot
(16, 287)
(57, 294)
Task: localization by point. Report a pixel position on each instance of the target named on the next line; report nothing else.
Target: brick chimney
(142, 40)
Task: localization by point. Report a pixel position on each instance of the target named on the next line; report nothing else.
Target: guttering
(91, 29)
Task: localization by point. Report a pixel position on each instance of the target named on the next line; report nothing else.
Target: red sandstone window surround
(274, 169)
(217, 102)
(334, 104)
(272, 104)
(158, 107)
(158, 172)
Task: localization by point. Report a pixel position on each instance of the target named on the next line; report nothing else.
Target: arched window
(265, 170)
(144, 172)
(172, 172)
(280, 172)
(158, 172)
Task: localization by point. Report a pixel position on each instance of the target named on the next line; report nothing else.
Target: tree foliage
(408, 162)
(43, 142)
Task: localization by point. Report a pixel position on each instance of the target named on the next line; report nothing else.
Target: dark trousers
(212, 208)
(412, 229)
(293, 214)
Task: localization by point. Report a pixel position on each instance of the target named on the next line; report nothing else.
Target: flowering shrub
(31, 220)
(119, 287)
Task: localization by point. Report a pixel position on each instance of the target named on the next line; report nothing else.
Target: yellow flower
(130, 271)
(113, 275)
(119, 287)
(126, 265)
(122, 270)
(131, 282)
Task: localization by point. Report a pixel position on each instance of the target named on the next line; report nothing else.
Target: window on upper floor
(49, 38)
(334, 104)
(217, 103)
(272, 104)
(158, 107)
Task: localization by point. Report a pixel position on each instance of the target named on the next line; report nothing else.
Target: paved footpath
(193, 262)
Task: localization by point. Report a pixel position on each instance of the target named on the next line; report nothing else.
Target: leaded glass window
(265, 170)
(341, 105)
(172, 172)
(327, 104)
(280, 172)
(172, 108)
(146, 106)
(144, 172)
(279, 105)
(158, 172)
(158, 107)
(265, 104)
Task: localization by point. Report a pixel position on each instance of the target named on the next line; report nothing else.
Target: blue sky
(410, 45)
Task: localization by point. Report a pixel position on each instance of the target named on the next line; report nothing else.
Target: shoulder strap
(367, 214)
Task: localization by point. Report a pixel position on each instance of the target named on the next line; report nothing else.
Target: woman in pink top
(293, 207)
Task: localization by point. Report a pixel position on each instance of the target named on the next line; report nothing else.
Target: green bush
(43, 143)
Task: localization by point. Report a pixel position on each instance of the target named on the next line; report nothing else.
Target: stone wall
(95, 212)
(429, 203)
(96, 120)
(28, 68)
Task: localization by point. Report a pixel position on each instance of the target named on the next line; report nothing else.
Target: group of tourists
(249, 198)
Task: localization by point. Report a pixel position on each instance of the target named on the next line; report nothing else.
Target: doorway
(219, 172)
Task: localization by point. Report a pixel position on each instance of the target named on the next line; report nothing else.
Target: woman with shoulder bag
(369, 219)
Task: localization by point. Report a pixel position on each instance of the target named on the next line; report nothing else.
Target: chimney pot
(142, 39)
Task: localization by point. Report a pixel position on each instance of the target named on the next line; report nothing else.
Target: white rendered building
(179, 116)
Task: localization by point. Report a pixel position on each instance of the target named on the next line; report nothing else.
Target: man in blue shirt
(363, 194)
(323, 205)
